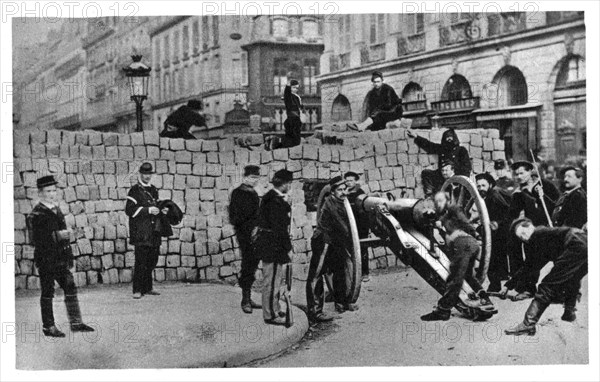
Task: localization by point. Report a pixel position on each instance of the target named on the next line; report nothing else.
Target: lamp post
(138, 75)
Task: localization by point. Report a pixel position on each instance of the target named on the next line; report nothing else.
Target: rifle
(289, 316)
(535, 166)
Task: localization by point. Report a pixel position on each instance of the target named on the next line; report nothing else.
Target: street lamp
(138, 75)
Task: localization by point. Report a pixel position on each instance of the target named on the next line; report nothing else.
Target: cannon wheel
(356, 255)
(464, 194)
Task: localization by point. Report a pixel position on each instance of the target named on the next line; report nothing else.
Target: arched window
(457, 87)
(341, 110)
(572, 72)
(413, 92)
(512, 87)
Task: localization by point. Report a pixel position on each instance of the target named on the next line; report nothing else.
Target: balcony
(456, 104)
(420, 105)
(313, 112)
(411, 44)
(455, 33)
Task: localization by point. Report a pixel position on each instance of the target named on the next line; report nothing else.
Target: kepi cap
(283, 175)
(522, 163)
(488, 177)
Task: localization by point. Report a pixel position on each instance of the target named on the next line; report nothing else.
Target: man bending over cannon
(462, 249)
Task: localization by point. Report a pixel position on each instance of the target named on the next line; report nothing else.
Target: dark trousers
(249, 259)
(64, 277)
(432, 181)
(462, 260)
(364, 254)
(381, 118)
(315, 292)
(565, 277)
(499, 266)
(146, 258)
(341, 265)
(292, 136)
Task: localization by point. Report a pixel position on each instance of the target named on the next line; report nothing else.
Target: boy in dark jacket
(449, 150)
(567, 249)
(293, 123)
(273, 243)
(243, 215)
(53, 257)
(383, 106)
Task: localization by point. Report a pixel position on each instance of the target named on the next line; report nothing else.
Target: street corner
(186, 326)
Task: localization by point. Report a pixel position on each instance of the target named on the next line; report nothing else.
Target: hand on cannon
(153, 210)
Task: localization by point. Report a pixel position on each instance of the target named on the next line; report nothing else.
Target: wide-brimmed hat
(146, 168)
(46, 181)
(488, 177)
(522, 163)
(352, 174)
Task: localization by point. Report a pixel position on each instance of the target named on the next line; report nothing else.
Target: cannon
(405, 227)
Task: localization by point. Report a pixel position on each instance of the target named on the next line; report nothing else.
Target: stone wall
(95, 171)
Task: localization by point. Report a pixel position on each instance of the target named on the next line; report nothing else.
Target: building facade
(523, 73)
(108, 43)
(280, 46)
(199, 57)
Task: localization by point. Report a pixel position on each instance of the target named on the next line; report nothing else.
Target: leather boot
(532, 316)
(74, 315)
(47, 312)
(569, 314)
(246, 301)
(438, 314)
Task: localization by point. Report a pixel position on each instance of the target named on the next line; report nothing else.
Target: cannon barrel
(412, 212)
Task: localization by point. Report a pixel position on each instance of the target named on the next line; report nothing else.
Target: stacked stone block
(95, 171)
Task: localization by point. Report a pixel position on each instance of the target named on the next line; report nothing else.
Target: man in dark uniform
(243, 214)
(497, 206)
(571, 211)
(335, 226)
(383, 106)
(449, 150)
(567, 249)
(571, 207)
(362, 219)
(144, 230)
(503, 180)
(527, 202)
(273, 243)
(178, 123)
(53, 257)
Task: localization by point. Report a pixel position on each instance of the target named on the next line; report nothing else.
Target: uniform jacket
(571, 209)
(507, 184)
(548, 244)
(446, 151)
(383, 99)
(530, 203)
(334, 224)
(293, 102)
(273, 242)
(50, 253)
(143, 227)
(243, 208)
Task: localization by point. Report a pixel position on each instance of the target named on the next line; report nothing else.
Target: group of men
(262, 229)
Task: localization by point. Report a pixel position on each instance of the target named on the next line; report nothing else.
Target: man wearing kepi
(449, 150)
(144, 234)
(273, 243)
(383, 106)
(567, 249)
(243, 215)
(335, 225)
(362, 219)
(53, 257)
